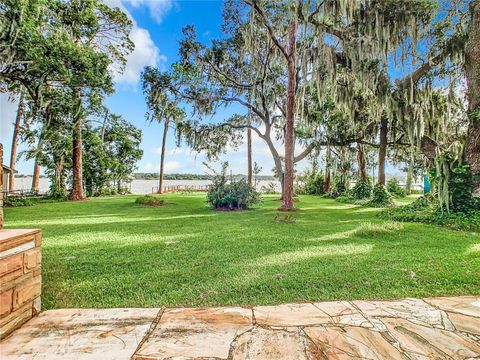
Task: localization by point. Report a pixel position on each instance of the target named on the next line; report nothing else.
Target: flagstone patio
(432, 328)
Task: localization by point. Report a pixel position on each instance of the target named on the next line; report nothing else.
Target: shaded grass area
(110, 252)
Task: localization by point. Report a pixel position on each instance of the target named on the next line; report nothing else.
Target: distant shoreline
(154, 176)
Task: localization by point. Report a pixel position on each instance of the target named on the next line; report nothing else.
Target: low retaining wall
(20, 278)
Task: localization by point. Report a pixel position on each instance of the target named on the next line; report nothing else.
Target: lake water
(137, 186)
(147, 186)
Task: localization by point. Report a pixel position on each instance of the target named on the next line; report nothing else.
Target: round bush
(380, 197)
(362, 190)
(149, 200)
(394, 188)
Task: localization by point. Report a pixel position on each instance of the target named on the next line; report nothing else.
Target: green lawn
(109, 252)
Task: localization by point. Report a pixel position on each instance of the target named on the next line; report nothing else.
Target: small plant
(394, 188)
(339, 187)
(270, 188)
(345, 199)
(17, 201)
(287, 218)
(426, 209)
(380, 197)
(149, 200)
(362, 190)
(231, 195)
(311, 184)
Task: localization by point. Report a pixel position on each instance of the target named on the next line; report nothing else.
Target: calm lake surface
(137, 186)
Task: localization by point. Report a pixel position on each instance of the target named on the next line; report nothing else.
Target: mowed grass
(110, 252)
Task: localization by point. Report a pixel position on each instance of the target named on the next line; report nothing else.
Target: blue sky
(156, 32)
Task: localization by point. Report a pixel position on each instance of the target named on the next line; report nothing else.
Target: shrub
(270, 188)
(346, 199)
(426, 209)
(394, 188)
(233, 195)
(339, 187)
(362, 190)
(149, 200)
(123, 190)
(460, 185)
(17, 201)
(313, 184)
(380, 197)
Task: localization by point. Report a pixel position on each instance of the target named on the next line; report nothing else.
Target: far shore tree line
(345, 84)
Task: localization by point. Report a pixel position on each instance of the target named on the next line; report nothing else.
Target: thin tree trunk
(36, 175)
(290, 118)
(77, 153)
(249, 157)
(162, 160)
(276, 159)
(328, 160)
(36, 166)
(382, 151)
(411, 163)
(59, 178)
(13, 153)
(362, 163)
(472, 72)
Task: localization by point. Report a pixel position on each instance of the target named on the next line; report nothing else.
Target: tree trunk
(13, 154)
(36, 166)
(276, 159)
(36, 175)
(162, 159)
(77, 153)
(290, 118)
(59, 177)
(362, 163)
(382, 151)
(411, 163)
(328, 160)
(249, 157)
(472, 72)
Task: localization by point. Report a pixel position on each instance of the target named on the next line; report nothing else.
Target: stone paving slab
(190, 333)
(432, 328)
(83, 334)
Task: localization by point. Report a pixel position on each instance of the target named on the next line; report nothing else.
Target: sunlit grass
(288, 257)
(475, 248)
(109, 252)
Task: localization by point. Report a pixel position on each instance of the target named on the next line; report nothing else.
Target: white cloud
(172, 165)
(158, 8)
(145, 53)
(178, 151)
(168, 166)
(149, 166)
(172, 152)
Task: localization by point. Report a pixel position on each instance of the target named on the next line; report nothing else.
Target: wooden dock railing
(179, 188)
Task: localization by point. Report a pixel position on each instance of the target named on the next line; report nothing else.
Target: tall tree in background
(16, 130)
(163, 107)
(74, 45)
(472, 72)
(249, 157)
(288, 50)
(101, 35)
